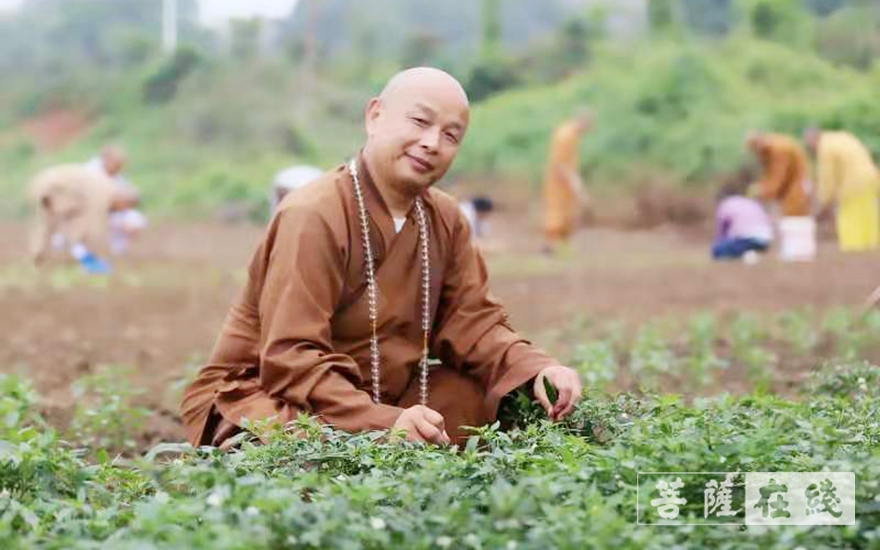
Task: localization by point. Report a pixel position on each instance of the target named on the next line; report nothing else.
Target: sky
(216, 12)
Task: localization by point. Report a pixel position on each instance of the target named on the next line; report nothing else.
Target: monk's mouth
(421, 166)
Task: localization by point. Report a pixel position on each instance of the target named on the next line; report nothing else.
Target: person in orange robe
(298, 339)
(786, 173)
(564, 195)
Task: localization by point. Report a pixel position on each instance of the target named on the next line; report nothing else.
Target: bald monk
(786, 171)
(564, 196)
(849, 180)
(128, 223)
(73, 205)
(333, 319)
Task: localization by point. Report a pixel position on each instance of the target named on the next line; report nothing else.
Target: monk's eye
(420, 122)
(451, 138)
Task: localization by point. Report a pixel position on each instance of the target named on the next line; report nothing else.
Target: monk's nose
(430, 139)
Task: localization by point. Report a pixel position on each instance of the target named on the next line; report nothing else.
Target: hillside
(669, 110)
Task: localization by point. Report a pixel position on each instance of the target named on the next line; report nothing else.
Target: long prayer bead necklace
(375, 356)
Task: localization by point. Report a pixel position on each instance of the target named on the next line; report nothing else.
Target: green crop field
(522, 483)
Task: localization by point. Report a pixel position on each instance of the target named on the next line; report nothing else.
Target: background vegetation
(674, 85)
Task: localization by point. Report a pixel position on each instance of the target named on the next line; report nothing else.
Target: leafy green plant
(650, 355)
(748, 338)
(796, 327)
(702, 361)
(596, 362)
(851, 331)
(190, 371)
(539, 485)
(105, 419)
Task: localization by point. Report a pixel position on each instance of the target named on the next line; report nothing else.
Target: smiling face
(414, 129)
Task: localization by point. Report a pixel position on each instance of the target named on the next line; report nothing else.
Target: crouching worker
(73, 208)
(358, 282)
(743, 228)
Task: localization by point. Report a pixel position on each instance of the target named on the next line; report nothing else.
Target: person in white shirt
(124, 224)
(477, 212)
(291, 179)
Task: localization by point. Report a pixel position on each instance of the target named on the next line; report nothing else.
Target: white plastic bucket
(797, 239)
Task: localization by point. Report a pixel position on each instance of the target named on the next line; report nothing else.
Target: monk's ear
(374, 109)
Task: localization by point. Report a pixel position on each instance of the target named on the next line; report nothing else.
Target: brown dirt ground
(161, 310)
(55, 129)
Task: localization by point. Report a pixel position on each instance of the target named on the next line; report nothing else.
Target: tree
(245, 37)
(780, 20)
(661, 15)
(420, 48)
(488, 78)
(574, 42)
(851, 35)
(712, 17)
(161, 86)
(490, 16)
(59, 36)
(824, 8)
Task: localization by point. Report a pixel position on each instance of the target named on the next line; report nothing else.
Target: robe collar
(377, 208)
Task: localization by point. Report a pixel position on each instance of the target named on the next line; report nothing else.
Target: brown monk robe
(786, 170)
(73, 201)
(298, 338)
(564, 196)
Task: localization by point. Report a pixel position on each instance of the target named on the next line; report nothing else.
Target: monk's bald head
(755, 140)
(415, 126)
(419, 79)
(114, 159)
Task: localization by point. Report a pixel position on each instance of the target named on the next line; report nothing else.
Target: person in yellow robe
(847, 177)
(564, 195)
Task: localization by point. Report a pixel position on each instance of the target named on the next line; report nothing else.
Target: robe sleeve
(472, 332)
(302, 273)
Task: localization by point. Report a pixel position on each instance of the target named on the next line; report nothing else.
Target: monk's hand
(423, 424)
(567, 384)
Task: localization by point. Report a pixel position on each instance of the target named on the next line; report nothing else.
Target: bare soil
(161, 310)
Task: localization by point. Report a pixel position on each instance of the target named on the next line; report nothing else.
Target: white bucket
(797, 236)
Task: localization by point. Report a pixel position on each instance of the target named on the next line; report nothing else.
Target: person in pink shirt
(742, 227)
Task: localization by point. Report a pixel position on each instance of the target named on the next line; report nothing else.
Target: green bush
(675, 110)
(490, 77)
(161, 86)
(667, 110)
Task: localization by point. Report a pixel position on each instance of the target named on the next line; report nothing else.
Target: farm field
(725, 405)
(689, 366)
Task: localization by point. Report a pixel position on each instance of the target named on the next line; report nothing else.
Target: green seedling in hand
(552, 394)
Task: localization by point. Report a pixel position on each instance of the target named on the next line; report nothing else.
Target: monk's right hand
(423, 424)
